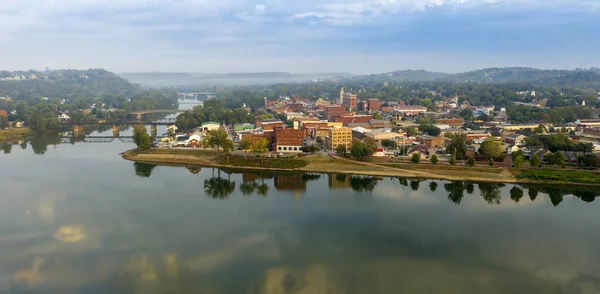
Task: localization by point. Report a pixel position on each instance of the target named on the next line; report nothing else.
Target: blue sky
(359, 36)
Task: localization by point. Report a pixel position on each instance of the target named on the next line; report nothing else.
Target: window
(279, 148)
(285, 148)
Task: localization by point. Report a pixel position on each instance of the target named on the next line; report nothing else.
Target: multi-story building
(333, 109)
(432, 142)
(354, 119)
(349, 100)
(374, 104)
(288, 140)
(411, 109)
(339, 136)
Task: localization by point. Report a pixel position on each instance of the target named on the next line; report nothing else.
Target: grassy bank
(571, 176)
(15, 134)
(327, 164)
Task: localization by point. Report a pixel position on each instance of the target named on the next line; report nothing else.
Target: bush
(434, 159)
(471, 161)
(416, 157)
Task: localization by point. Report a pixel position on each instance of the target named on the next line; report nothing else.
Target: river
(76, 218)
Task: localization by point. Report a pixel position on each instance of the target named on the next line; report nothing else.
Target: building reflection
(339, 181)
(293, 183)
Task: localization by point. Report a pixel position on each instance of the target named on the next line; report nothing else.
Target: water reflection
(143, 170)
(218, 187)
(433, 186)
(363, 183)
(455, 191)
(516, 194)
(491, 192)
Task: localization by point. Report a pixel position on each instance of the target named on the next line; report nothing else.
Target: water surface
(76, 218)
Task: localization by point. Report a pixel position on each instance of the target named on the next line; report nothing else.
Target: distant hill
(161, 79)
(581, 78)
(65, 84)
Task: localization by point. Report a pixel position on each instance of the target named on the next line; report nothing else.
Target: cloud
(110, 33)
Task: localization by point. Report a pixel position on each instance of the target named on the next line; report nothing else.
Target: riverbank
(9, 135)
(336, 165)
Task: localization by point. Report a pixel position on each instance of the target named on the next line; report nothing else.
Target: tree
(434, 159)
(219, 139)
(416, 157)
(364, 148)
(260, 146)
(558, 158)
(3, 122)
(452, 160)
(245, 144)
(377, 115)
(319, 140)
(491, 161)
(411, 132)
(491, 148)
(138, 131)
(457, 146)
(471, 161)
(341, 149)
(518, 161)
(145, 142)
(534, 161)
(389, 143)
(430, 129)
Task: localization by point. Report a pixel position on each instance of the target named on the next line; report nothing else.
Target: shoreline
(350, 167)
(9, 135)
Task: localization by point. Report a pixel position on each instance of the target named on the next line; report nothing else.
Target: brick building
(432, 142)
(349, 100)
(354, 119)
(332, 109)
(296, 107)
(288, 140)
(374, 104)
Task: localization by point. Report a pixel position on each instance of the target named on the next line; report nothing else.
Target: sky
(355, 36)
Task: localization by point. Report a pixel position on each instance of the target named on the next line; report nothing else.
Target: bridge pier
(77, 130)
(153, 131)
(116, 129)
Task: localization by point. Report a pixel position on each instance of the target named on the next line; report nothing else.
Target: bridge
(196, 94)
(94, 139)
(157, 111)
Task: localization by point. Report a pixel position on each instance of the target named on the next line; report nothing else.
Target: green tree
(219, 139)
(416, 157)
(138, 131)
(452, 159)
(491, 161)
(3, 122)
(434, 159)
(491, 148)
(558, 158)
(430, 129)
(411, 132)
(260, 146)
(457, 146)
(389, 143)
(145, 142)
(377, 115)
(341, 149)
(534, 161)
(471, 161)
(245, 144)
(518, 161)
(319, 140)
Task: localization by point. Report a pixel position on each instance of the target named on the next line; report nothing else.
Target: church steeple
(341, 96)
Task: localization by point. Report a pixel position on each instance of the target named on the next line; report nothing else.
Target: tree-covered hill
(64, 84)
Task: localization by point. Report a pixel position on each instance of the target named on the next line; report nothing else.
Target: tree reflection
(403, 181)
(263, 189)
(7, 148)
(433, 186)
(491, 192)
(218, 187)
(516, 194)
(143, 170)
(455, 191)
(362, 183)
(414, 185)
(310, 177)
(587, 196)
(556, 196)
(24, 145)
(248, 188)
(40, 143)
(533, 193)
(470, 188)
